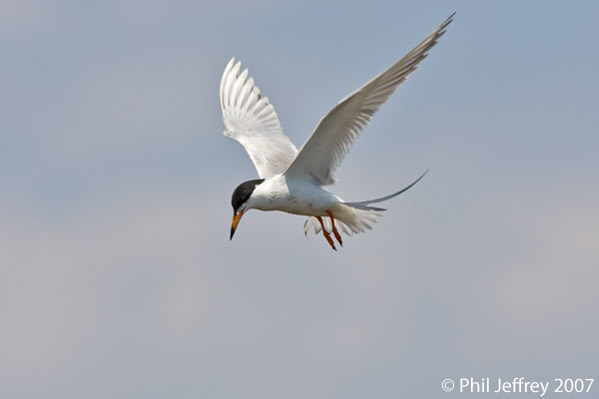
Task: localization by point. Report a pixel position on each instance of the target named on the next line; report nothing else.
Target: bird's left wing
(251, 120)
(331, 141)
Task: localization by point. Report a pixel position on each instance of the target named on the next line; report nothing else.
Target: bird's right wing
(251, 120)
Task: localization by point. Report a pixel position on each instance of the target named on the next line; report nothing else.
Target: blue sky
(117, 278)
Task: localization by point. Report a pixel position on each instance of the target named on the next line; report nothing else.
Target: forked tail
(355, 217)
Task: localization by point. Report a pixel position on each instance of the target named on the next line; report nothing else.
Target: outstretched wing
(251, 120)
(324, 151)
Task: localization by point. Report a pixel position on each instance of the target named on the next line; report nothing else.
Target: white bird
(292, 181)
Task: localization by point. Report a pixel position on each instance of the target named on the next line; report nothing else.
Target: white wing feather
(328, 145)
(251, 120)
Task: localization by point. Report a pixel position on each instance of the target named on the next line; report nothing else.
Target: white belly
(294, 196)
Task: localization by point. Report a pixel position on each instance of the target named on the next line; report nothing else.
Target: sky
(117, 276)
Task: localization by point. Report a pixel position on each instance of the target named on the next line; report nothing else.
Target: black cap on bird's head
(240, 196)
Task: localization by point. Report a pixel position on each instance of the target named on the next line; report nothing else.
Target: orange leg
(326, 233)
(337, 235)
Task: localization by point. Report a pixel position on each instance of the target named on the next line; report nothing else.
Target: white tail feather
(348, 219)
(354, 217)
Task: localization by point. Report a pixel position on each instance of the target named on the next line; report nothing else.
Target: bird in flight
(292, 181)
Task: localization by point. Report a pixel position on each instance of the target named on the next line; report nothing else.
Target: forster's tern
(291, 180)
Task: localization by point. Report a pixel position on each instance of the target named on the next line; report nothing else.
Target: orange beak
(236, 219)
